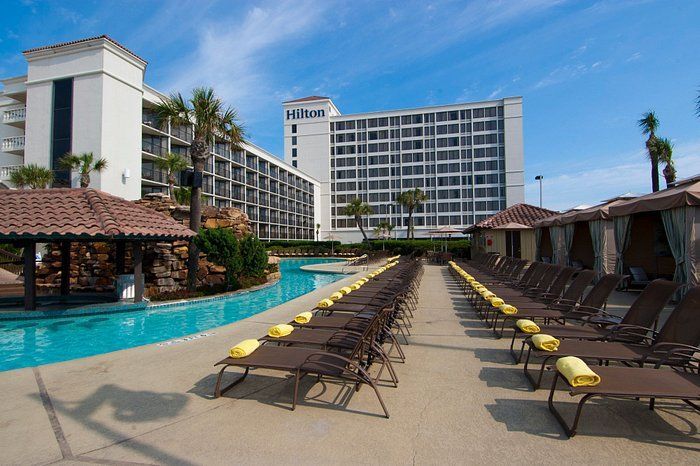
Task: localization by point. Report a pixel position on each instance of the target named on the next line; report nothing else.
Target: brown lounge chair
(346, 366)
(643, 312)
(681, 330)
(567, 306)
(634, 383)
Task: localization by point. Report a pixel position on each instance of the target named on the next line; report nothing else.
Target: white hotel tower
(467, 157)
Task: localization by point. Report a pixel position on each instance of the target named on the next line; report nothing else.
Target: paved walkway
(459, 401)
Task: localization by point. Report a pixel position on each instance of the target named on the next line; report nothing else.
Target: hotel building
(90, 96)
(467, 158)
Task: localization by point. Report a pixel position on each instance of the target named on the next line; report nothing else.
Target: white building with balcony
(89, 96)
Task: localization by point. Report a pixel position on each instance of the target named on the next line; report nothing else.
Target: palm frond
(649, 123)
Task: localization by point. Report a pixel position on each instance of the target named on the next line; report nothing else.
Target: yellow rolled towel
(486, 294)
(545, 342)
(280, 330)
(325, 303)
(355, 286)
(496, 301)
(336, 296)
(346, 290)
(471, 279)
(363, 280)
(244, 348)
(527, 326)
(577, 372)
(304, 317)
(508, 309)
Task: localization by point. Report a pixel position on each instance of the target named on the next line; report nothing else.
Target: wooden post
(138, 271)
(30, 276)
(65, 268)
(120, 259)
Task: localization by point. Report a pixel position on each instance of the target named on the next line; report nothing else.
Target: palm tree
(383, 231)
(85, 164)
(697, 105)
(664, 151)
(183, 195)
(410, 200)
(210, 119)
(31, 176)
(318, 230)
(649, 124)
(357, 209)
(171, 164)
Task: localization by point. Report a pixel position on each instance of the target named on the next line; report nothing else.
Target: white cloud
(231, 54)
(634, 57)
(627, 173)
(496, 92)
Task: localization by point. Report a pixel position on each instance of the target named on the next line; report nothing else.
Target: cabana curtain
(597, 229)
(679, 229)
(554, 235)
(538, 244)
(568, 231)
(623, 228)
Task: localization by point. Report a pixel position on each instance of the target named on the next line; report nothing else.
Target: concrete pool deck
(460, 400)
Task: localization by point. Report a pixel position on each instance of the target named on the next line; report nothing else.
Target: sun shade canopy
(682, 195)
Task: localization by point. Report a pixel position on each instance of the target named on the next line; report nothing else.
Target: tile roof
(80, 41)
(308, 99)
(81, 213)
(524, 214)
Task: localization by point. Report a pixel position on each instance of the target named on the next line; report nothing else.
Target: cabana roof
(597, 212)
(523, 214)
(83, 213)
(683, 194)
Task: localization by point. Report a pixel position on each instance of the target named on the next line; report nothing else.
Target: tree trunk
(171, 187)
(410, 234)
(669, 174)
(654, 164)
(358, 221)
(84, 180)
(199, 152)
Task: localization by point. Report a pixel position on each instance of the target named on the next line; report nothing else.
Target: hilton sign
(301, 113)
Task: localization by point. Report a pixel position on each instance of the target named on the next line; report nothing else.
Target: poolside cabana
(659, 232)
(583, 237)
(63, 216)
(509, 232)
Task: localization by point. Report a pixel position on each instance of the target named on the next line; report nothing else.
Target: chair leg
(218, 391)
(569, 430)
(297, 379)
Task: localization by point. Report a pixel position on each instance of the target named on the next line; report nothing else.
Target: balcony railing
(153, 148)
(14, 115)
(153, 175)
(13, 143)
(6, 171)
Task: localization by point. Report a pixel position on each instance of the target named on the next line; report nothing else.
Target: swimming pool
(26, 343)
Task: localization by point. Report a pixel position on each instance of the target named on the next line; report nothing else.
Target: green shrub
(253, 256)
(405, 247)
(222, 248)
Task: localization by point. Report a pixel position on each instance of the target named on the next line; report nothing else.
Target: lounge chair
(682, 329)
(338, 364)
(567, 306)
(638, 278)
(633, 383)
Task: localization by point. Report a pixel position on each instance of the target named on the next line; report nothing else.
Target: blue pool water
(25, 343)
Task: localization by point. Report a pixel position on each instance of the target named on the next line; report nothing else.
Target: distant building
(467, 157)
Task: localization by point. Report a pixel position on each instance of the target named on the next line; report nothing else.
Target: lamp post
(540, 178)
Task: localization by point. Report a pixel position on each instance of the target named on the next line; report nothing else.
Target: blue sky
(586, 70)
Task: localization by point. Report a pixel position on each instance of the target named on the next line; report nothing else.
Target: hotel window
(478, 113)
(294, 151)
(294, 140)
(294, 128)
(441, 116)
(294, 163)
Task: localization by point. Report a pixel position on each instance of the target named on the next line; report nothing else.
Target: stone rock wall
(165, 263)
